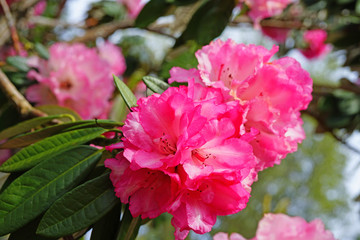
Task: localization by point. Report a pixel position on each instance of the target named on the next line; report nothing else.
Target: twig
(18, 99)
(11, 24)
(107, 29)
(51, 22)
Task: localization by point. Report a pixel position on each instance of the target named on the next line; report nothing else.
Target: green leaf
(208, 22)
(181, 2)
(33, 154)
(357, 7)
(26, 126)
(129, 227)
(125, 92)
(32, 137)
(42, 50)
(9, 180)
(28, 232)
(106, 227)
(34, 191)
(55, 110)
(150, 12)
(155, 84)
(19, 63)
(80, 208)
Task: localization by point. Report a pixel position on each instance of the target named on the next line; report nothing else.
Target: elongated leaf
(125, 92)
(129, 227)
(34, 191)
(208, 22)
(28, 232)
(155, 84)
(150, 12)
(79, 208)
(32, 137)
(26, 126)
(33, 154)
(42, 50)
(55, 110)
(106, 227)
(18, 62)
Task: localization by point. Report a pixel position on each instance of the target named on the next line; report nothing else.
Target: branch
(11, 24)
(18, 99)
(52, 22)
(107, 29)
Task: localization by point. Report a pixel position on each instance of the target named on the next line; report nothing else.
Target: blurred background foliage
(311, 183)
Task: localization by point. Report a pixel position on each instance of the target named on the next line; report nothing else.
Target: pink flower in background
(134, 7)
(283, 227)
(316, 44)
(5, 154)
(76, 77)
(39, 8)
(260, 9)
(186, 138)
(276, 33)
(272, 92)
(225, 236)
(9, 51)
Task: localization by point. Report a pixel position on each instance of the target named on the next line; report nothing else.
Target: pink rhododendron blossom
(260, 9)
(134, 7)
(273, 93)
(276, 33)
(283, 227)
(183, 155)
(8, 51)
(225, 236)
(76, 77)
(5, 154)
(316, 44)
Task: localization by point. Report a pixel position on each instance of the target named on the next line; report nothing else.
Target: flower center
(166, 146)
(200, 155)
(66, 85)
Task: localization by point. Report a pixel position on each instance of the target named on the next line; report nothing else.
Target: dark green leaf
(26, 126)
(357, 7)
(181, 2)
(151, 11)
(34, 191)
(106, 227)
(9, 180)
(155, 84)
(125, 92)
(33, 154)
(28, 232)
(42, 50)
(208, 22)
(19, 63)
(129, 227)
(80, 208)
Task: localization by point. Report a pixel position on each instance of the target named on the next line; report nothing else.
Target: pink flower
(76, 77)
(39, 8)
(273, 93)
(134, 7)
(316, 44)
(225, 236)
(186, 138)
(5, 154)
(8, 51)
(260, 9)
(277, 34)
(283, 227)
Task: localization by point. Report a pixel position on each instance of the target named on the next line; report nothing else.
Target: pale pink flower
(316, 44)
(134, 7)
(76, 77)
(186, 137)
(260, 9)
(225, 236)
(283, 227)
(40, 7)
(273, 93)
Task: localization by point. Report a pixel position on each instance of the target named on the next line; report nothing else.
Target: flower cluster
(194, 151)
(283, 227)
(73, 70)
(316, 47)
(260, 9)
